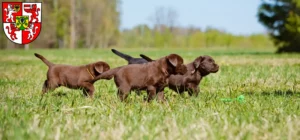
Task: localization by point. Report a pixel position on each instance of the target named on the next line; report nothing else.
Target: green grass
(269, 82)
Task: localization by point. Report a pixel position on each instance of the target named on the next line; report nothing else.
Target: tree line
(96, 24)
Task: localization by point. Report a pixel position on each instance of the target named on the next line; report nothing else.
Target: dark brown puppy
(196, 70)
(151, 76)
(74, 77)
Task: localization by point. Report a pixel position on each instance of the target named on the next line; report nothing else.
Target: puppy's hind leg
(48, 87)
(123, 92)
(44, 90)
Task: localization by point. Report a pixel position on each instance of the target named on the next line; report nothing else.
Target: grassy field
(269, 82)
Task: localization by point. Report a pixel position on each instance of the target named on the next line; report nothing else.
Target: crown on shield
(16, 7)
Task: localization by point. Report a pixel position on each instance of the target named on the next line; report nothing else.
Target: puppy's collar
(90, 73)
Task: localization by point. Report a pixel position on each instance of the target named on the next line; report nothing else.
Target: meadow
(269, 82)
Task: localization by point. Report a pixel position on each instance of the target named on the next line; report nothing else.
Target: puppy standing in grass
(75, 77)
(196, 70)
(151, 76)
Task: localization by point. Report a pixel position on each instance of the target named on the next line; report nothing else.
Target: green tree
(282, 19)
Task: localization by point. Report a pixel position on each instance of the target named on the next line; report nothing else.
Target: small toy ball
(241, 98)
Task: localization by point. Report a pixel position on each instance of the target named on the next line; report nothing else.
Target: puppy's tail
(106, 75)
(49, 64)
(146, 58)
(125, 56)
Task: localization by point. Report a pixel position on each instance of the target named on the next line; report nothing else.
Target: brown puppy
(150, 76)
(74, 77)
(199, 68)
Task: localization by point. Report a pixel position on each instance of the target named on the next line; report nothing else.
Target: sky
(238, 17)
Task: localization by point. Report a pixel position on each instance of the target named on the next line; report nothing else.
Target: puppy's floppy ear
(146, 58)
(174, 59)
(197, 63)
(101, 67)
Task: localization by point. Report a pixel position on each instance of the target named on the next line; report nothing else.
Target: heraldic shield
(22, 21)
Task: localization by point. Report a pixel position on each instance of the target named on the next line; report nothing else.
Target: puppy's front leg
(161, 96)
(151, 90)
(160, 93)
(194, 91)
(88, 89)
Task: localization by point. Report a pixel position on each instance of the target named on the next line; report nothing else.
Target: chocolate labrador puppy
(74, 77)
(129, 58)
(132, 60)
(196, 70)
(151, 76)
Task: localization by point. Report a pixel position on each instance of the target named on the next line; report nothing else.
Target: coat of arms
(22, 21)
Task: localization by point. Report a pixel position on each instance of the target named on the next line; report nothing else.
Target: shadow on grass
(69, 93)
(243, 53)
(59, 94)
(277, 93)
(281, 93)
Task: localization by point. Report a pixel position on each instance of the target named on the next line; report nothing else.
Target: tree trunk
(9, 45)
(56, 39)
(26, 46)
(73, 24)
(88, 37)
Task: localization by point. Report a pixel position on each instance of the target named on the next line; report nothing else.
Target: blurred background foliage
(282, 18)
(96, 24)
